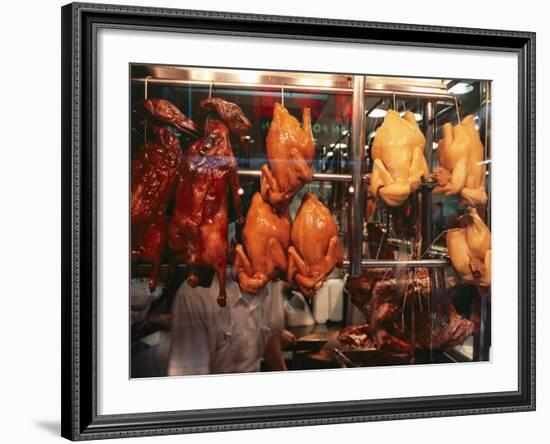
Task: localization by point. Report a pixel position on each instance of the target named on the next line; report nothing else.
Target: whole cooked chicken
(289, 154)
(399, 162)
(462, 169)
(163, 112)
(469, 248)
(315, 248)
(197, 232)
(263, 254)
(155, 170)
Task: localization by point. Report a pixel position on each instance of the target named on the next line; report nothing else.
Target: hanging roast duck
(154, 175)
(197, 233)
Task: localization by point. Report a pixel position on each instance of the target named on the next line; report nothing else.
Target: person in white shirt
(207, 338)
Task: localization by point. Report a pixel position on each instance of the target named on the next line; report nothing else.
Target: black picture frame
(79, 396)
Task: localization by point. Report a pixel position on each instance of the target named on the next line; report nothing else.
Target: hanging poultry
(289, 154)
(154, 176)
(462, 169)
(469, 248)
(263, 254)
(197, 232)
(229, 113)
(162, 112)
(315, 248)
(399, 162)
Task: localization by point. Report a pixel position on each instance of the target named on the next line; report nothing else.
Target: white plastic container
(321, 305)
(336, 300)
(297, 312)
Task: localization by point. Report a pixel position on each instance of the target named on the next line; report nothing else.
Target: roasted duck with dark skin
(197, 232)
(262, 256)
(229, 113)
(315, 248)
(290, 151)
(162, 112)
(155, 170)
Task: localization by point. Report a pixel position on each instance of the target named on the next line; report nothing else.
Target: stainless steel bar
(426, 218)
(420, 263)
(238, 85)
(355, 219)
(329, 177)
(448, 98)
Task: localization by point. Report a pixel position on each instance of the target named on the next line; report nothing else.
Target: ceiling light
(461, 88)
(377, 113)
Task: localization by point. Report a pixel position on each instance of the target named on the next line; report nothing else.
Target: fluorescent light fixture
(377, 113)
(461, 88)
(418, 117)
(435, 144)
(341, 145)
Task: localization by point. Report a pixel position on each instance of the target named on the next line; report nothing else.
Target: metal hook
(457, 110)
(146, 85)
(283, 95)
(210, 89)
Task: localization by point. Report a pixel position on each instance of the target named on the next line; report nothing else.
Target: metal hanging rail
(420, 263)
(447, 98)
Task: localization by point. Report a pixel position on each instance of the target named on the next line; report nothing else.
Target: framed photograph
(278, 221)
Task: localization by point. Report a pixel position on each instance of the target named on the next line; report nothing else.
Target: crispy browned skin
(399, 163)
(229, 113)
(155, 170)
(315, 248)
(470, 249)
(462, 169)
(197, 232)
(289, 153)
(163, 112)
(263, 254)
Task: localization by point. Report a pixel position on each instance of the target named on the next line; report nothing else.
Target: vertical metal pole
(426, 219)
(355, 220)
(482, 343)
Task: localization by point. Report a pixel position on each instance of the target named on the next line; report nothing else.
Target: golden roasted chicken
(469, 248)
(399, 162)
(197, 233)
(462, 169)
(289, 154)
(262, 256)
(315, 248)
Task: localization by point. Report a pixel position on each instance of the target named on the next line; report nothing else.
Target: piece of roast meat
(197, 232)
(162, 112)
(389, 304)
(229, 113)
(155, 169)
